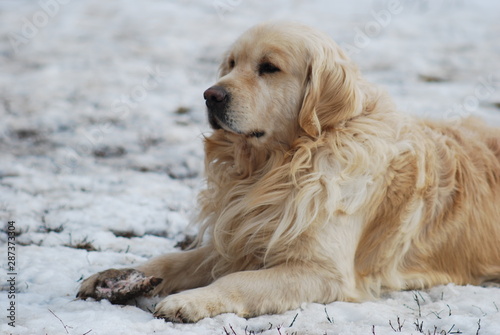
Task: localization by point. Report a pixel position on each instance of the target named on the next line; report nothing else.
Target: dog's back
(455, 232)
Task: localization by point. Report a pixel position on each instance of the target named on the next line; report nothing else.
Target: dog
(319, 190)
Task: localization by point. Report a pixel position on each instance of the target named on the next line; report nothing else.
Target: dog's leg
(250, 293)
(161, 275)
(180, 271)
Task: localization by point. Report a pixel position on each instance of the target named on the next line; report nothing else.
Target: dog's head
(281, 80)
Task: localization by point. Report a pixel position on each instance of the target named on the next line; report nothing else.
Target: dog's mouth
(217, 124)
(214, 122)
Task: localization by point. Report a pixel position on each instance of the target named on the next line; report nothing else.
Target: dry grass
(81, 244)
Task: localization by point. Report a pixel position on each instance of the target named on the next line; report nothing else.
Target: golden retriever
(318, 190)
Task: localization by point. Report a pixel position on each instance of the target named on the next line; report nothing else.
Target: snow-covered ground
(101, 128)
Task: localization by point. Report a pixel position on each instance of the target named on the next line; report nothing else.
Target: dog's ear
(308, 118)
(331, 93)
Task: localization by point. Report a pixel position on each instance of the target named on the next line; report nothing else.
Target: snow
(101, 129)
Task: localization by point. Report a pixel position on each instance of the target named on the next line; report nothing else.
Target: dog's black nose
(217, 100)
(215, 95)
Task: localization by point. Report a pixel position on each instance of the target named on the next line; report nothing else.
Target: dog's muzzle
(217, 99)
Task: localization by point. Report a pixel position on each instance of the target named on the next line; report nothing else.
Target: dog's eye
(267, 68)
(231, 63)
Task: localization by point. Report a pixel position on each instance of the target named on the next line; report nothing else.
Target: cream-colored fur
(339, 197)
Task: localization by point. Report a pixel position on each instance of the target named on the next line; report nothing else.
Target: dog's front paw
(117, 286)
(190, 306)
